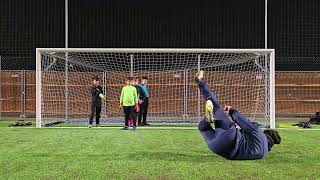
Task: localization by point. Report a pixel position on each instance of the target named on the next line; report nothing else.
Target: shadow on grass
(208, 157)
(176, 156)
(162, 156)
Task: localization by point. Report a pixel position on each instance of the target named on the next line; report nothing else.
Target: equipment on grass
(303, 124)
(243, 78)
(21, 123)
(307, 124)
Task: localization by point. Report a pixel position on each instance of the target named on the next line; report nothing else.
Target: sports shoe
(90, 126)
(199, 75)
(125, 128)
(98, 125)
(209, 111)
(134, 128)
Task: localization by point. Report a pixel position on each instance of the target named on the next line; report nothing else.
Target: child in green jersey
(128, 100)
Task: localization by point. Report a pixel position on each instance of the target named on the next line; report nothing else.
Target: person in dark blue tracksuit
(236, 139)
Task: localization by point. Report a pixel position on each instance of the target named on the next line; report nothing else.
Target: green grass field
(108, 153)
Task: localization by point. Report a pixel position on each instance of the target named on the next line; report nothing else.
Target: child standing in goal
(96, 96)
(145, 104)
(141, 97)
(128, 102)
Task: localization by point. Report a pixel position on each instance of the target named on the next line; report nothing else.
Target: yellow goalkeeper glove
(102, 96)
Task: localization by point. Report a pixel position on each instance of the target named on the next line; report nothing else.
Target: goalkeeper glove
(140, 101)
(102, 96)
(137, 107)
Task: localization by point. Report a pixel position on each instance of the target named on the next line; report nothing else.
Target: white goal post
(243, 78)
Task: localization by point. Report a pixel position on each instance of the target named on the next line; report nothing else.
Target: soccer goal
(243, 78)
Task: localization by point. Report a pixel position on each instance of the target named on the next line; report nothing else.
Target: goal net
(243, 78)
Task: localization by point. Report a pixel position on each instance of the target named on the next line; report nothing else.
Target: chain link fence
(17, 90)
(297, 94)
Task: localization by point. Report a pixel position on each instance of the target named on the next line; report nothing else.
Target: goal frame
(154, 50)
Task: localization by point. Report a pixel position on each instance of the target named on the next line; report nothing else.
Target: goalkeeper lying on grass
(236, 139)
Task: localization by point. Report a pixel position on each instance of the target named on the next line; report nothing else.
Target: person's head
(135, 81)
(144, 80)
(129, 80)
(95, 81)
(273, 137)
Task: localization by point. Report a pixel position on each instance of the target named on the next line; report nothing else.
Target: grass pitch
(108, 153)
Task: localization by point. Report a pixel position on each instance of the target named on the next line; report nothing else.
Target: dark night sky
(293, 26)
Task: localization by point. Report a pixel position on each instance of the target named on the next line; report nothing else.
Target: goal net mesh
(240, 79)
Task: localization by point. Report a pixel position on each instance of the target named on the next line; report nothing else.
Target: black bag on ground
(21, 123)
(303, 124)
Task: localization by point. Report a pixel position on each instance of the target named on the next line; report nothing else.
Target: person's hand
(237, 126)
(137, 107)
(140, 101)
(102, 96)
(121, 106)
(227, 108)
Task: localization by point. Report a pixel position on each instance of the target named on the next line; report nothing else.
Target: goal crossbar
(155, 50)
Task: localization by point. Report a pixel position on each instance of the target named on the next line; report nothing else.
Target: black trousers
(143, 111)
(95, 110)
(129, 115)
(135, 115)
